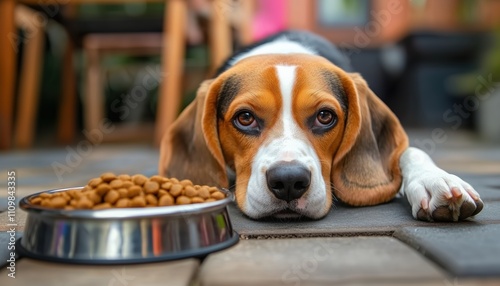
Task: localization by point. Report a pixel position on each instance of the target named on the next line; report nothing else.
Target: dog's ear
(365, 167)
(189, 148)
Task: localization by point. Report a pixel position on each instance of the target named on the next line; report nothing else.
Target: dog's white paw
(435, 195)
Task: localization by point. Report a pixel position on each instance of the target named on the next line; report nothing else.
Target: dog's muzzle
(288, 180)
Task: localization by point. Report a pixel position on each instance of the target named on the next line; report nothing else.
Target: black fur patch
(335, 86)
(230, 88)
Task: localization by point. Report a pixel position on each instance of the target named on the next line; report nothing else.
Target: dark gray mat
(463, 250)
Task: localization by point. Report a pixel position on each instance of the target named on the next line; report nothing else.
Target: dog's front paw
(436, 195)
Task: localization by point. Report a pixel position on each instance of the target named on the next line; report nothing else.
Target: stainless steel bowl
(130, 235)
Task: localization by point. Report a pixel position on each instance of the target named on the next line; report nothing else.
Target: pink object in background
(269, 18)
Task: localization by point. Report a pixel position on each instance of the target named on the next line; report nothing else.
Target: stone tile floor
(380, 245)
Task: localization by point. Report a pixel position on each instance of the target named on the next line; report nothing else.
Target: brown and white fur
(291, 129)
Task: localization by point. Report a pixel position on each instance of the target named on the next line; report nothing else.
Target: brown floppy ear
(184, 153)
(365, 168)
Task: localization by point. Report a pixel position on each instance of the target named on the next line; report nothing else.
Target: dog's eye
(246, 122)
(324, 120)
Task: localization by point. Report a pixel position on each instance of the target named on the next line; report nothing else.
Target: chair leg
(172, 66)
(67, 108)
(94, 99)
(219, 35)
(29, 88)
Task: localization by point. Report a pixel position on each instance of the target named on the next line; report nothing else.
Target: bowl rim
(124, 213)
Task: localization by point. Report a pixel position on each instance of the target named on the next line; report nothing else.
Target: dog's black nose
(288, 180)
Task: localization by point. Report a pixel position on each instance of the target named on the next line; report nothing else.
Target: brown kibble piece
(102, 206)
(166, 200)
(84, 203)
(190, 191)
(185, 183)
(218, 195)
(102, 189)
(139, 179)
(124, 177)
(197, 200)
(210, 200)
(94, 197)
(116, 184)
(108, 177)
(138, 202)
(176, 190)
(94, 182)
(112, 196)
(57, 202)
(36, 201)
(73, 203)
(45, 202)
(123, 192)
(183, 200)
(127, 184)
(213, 189)
(152, 199)
(151, 187)
(161, 192)
(123, 203)
(204, 192)
(45, 195)
(174, 181)
(166, 185)
(134, 191)
(156, 178)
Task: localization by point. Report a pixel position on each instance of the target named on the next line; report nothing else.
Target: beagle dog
(289, 128)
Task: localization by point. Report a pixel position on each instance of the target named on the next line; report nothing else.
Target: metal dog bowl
(126, 235)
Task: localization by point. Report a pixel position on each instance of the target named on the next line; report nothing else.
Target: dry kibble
(134, 191)
(161, 192)
(139, 179)
(102, 206)
(176, 190)
(166, 185)
(123, 203)
(108, 177)
(218, 195)
(197, 200)
(151, 187)
(57, 202)
(123, 192)
(124, 177)
(152, 200)
(156, 178)
(116, 184)
(112, 196)
(102, 189)
(138, 202)
(190, 191)
(182, 200)
(94, 182)
(84, 203)
(204, 192)
(166, 200)
(185, 183)
(109, 190)
(127, 184)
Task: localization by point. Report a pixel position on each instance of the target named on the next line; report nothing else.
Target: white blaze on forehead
(286, 78)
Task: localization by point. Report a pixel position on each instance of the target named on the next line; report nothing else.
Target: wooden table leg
(172, 66)
(67, 109)
(30, 77)
(7, 71)
(220, 34)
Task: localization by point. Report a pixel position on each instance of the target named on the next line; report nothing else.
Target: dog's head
(291, 128)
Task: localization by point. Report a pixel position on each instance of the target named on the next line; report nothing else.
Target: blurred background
(122, 70)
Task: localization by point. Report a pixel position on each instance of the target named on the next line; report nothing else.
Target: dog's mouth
(286, 214)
